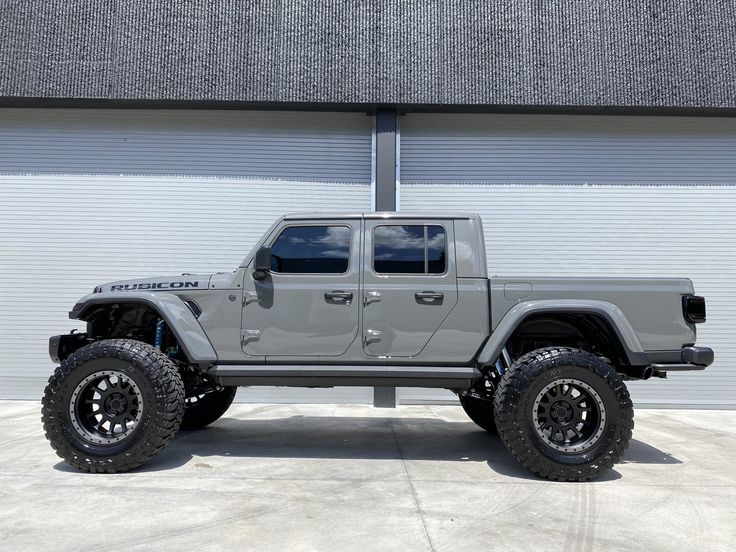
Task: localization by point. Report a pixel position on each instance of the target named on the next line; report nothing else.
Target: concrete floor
(316, 477)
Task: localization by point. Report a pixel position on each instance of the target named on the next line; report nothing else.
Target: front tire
(113, 405)
(565, 414)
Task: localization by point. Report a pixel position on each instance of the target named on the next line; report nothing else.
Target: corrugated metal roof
(519, 53)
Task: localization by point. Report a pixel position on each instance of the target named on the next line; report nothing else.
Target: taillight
(693, 307)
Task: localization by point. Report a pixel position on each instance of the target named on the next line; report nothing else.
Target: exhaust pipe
(637, 372)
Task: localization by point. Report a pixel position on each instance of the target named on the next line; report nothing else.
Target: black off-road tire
(516, 413)
(157, 383)
(202, 410)
(480, 412)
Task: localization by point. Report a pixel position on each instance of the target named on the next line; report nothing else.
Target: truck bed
(653, 306)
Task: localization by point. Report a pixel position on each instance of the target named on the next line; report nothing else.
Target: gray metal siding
(454, 52)
(331, 147)
(75, 210)
(589, 196)
(567, 149)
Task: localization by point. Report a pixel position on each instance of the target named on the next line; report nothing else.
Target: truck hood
(159, 283)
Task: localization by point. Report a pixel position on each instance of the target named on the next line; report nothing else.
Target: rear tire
(565, 414)
(480, 412)
(202, 410)
(112, 405)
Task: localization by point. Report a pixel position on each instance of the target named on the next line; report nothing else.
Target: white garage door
(598, 196)
(88, 196)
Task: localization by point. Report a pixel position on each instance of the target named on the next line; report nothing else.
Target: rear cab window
(409, 249)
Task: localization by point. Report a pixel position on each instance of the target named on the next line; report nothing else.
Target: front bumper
(61, 346)
(689, 358)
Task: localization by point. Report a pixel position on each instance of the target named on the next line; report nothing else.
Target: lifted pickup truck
(381, 299)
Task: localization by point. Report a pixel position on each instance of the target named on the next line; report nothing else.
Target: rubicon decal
(154, 285)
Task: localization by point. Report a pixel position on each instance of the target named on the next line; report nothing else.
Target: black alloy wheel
(570, 415)
(113, 405)
(106, 407)
(564, 413)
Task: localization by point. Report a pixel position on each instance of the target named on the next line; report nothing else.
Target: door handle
(339, 297)
(246, 336)
(250, 297)
(371, 297)
(371, 336)
(429, 296)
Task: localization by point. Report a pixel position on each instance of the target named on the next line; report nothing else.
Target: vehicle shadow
(364, 438)
(642, 453)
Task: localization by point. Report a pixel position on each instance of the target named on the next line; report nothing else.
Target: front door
(409, 285)
(308, 304)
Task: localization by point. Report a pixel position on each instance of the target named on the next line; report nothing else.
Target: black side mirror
(262, 262)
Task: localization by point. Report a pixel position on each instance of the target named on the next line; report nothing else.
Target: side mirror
(262, 262)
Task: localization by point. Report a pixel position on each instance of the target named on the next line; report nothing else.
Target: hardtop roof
(389, 215)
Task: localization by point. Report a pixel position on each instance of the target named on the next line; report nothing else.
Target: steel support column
(385, 200)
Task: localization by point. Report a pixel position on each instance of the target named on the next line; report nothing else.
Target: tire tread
(168, 406)
(520, 376)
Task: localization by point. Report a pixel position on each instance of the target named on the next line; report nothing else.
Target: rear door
(409, 285)
(308, 304)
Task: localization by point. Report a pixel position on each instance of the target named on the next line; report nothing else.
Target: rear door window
(409, 249)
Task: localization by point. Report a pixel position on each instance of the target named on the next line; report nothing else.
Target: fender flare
(625, 333)
(183, 324)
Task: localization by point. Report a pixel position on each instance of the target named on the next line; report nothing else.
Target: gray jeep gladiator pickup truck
(379, 299)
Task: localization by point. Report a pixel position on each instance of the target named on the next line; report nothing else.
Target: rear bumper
(702, 356)
(686, 359)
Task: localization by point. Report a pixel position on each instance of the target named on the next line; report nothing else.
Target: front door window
(311, 250)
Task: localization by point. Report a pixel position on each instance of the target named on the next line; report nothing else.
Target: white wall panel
(79, 218)
(625, 221)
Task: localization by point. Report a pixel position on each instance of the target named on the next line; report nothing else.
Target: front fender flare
(189, 334)
(627, 337)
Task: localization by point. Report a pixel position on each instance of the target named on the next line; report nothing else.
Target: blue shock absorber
(159, 341)
(500, 367)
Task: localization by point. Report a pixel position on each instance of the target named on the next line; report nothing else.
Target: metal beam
(385, 200)
(384, 397)
(385, 159)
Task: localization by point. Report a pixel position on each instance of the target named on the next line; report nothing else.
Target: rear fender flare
(625, 333)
